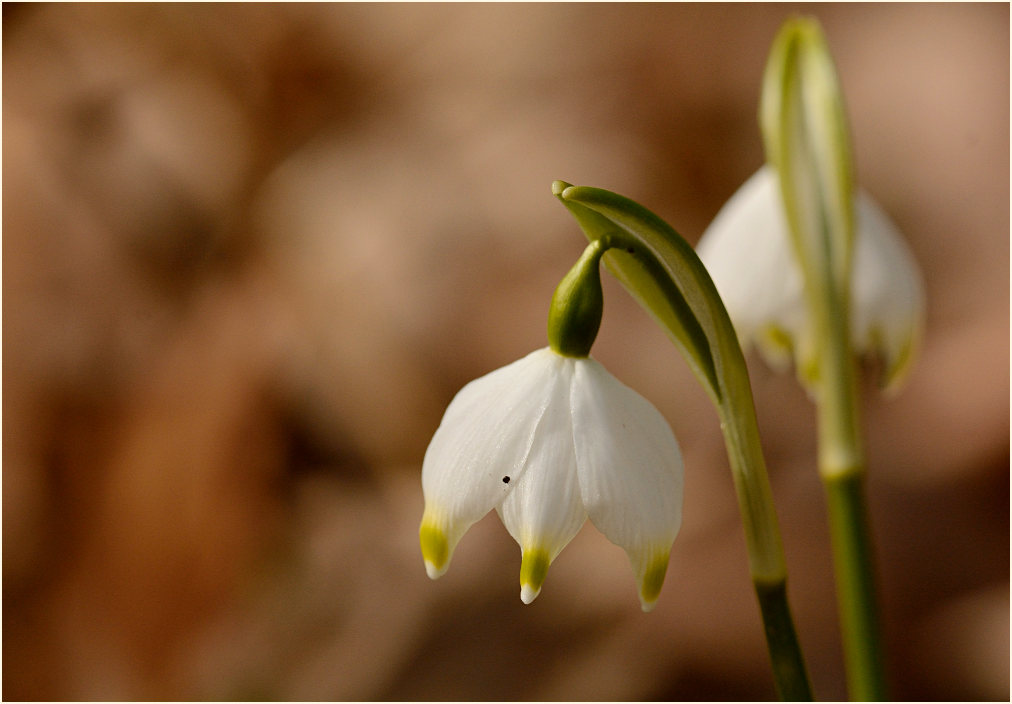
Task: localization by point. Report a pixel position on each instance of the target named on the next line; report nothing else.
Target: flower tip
(558, 187)
(898, 364)
(529, 593)
(651, 580)
(776, 347)
(435, 549)
(434, 571)
(894, 378)
(534, 564)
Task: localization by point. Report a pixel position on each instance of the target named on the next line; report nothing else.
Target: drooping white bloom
(747, 251)
(548, 441)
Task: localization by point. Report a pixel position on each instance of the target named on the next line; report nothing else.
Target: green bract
(646, 254)
(804, 127)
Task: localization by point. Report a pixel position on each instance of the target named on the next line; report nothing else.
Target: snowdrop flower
(747, 251)
(549, 441)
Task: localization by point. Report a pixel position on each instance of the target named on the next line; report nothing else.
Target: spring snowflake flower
(748, 253)
(549, 441)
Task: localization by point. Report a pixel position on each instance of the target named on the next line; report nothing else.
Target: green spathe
(663, 273)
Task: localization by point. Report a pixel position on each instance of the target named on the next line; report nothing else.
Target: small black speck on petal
(506, 480)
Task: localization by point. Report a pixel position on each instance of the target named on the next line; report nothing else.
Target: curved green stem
(785, 656)
(755, 500)
(662, 272)
(756, 505)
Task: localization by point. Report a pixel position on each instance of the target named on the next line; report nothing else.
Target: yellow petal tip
(435, 549)
(533, 570)
(776, 347)
(652, 581)
(898, 368)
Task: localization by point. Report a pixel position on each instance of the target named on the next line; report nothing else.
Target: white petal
(888, 292)
(747, 251)
(480, 449)
(748, 255)
(630, 472)
(543, 510)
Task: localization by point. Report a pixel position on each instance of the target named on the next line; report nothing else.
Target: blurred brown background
(250, 252)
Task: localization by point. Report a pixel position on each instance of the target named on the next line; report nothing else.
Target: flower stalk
(806, 138)
(662, 272)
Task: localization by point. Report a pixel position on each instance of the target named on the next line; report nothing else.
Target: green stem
(855, 587)
(805, 131)
(842, 467)
(785, 655)
(766, 561)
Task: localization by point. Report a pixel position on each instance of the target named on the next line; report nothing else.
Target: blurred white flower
(747, 251)
(548, 441)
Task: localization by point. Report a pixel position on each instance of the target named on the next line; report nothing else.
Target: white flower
(748, 253)
(548, 441)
